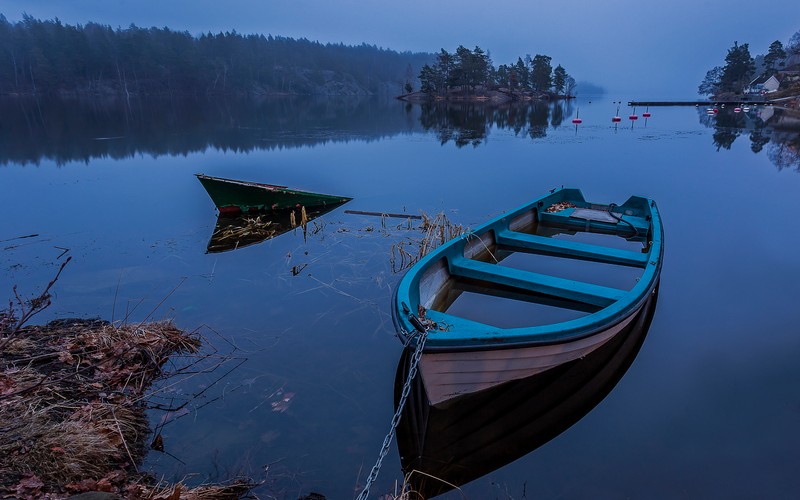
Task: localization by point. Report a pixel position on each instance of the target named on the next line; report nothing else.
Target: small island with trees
(469, 75)
(774, 76)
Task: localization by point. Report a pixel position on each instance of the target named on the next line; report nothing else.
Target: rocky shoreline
(493, 96)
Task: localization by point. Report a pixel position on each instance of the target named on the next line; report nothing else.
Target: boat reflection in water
(241, 231)
(446, 446)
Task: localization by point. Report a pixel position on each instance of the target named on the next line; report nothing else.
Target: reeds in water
(435, 231)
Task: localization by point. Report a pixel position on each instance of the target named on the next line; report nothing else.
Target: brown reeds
(559, 206)
(73, 401)
(435, 231)
(232, 490)
(247, 227)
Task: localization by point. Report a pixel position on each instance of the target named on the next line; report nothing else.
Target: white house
(763, 85)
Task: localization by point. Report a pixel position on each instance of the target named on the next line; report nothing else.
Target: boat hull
(233, 197)
(448, 375)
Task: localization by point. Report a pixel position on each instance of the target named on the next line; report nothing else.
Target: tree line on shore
(469, 70)
(49, 57)
(741, 67)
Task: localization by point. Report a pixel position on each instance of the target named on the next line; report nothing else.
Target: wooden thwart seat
(577, 291)
(570, 249)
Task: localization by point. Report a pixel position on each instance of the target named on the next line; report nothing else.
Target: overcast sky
(637, 49)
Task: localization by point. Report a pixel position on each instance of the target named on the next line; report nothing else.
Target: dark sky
(637, 49)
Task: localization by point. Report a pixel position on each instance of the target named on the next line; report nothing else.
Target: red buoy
(646, 113)
(616, 118)
(577, 120)
(633, 117)
(737, 110)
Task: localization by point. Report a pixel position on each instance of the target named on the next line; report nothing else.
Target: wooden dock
(698, 103)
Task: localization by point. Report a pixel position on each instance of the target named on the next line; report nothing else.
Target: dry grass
(435, 232)
(407, 491)
(72, 408)
(238, 232)
(247, 227)
(561, 205)
(229, 491)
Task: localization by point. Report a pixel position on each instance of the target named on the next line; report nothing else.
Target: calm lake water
(300, 390)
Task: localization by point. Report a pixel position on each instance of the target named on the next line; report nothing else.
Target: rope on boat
(412, 372)
(620, 219)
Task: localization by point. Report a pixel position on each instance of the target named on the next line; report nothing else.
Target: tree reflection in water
(66, 130)
(774, 128)
(468, 123)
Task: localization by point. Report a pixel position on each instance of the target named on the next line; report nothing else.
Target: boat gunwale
(552, 333)
(270, 187)
(240, 183)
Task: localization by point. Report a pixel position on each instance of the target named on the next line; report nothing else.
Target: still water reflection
(775, 128)
(80, 130)
(711, 398)
(233, 233)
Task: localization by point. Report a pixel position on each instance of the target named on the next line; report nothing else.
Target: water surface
(709, 408)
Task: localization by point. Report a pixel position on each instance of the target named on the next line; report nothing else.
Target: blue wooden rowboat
(464, 353)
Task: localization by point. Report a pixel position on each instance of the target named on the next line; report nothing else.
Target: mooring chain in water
(412, 372)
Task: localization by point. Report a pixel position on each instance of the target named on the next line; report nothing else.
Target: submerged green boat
(233, 197)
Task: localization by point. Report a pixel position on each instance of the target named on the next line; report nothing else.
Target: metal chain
(412, 372)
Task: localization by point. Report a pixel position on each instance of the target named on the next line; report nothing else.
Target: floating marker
(646, 113)
(577, 120)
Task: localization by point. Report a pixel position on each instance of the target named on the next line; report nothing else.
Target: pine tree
(559, 79)
(775, 56)
(541, 73)
(738, 69)
(521, 74)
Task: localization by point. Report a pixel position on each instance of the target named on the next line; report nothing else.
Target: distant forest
(48, 57)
